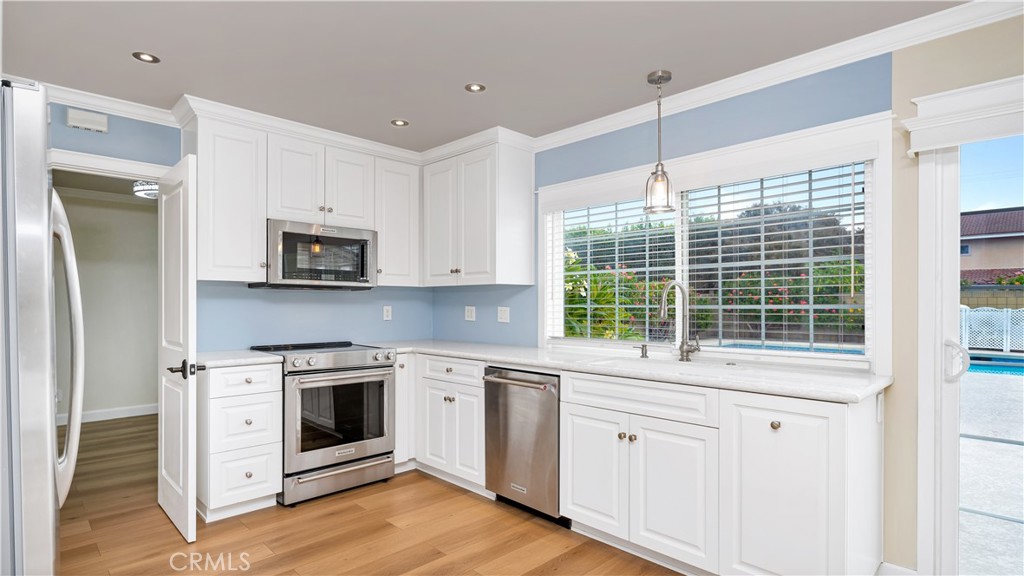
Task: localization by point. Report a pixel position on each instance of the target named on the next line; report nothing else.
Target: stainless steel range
(339, 417)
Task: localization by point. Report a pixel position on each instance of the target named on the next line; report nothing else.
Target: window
(772, 263)
(965, 249)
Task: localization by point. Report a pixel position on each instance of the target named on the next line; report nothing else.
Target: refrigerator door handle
(66, 461)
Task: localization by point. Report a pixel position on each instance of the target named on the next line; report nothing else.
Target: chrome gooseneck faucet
(686, 348)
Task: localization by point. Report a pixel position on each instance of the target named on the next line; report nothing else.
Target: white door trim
(96, 165)
(944, 122)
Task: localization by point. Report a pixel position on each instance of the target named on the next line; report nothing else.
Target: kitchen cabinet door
(349, 189)
(295, 179)
(476, 217)
(673, 499)
(467, 432)
(404, 426)
(594, 468)
(398, 223)
(440, 197)
(232, 203)
(782, 478)
(433, 428)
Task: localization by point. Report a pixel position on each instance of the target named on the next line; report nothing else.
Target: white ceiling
(353, 66)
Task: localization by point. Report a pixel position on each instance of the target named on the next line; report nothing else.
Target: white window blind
(779, 262)
(773, 263)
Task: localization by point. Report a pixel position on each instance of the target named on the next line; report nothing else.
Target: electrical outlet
(503, 313)
(387, 313)
(471, 313)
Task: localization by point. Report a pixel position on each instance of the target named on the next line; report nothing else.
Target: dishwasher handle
(510, 382)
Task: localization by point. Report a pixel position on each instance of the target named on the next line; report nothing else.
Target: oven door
(335, 417)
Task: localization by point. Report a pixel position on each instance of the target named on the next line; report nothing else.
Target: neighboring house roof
(1002, 222)
(988, 275)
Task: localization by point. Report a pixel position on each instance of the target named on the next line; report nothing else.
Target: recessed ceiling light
(144, 189)
(145, 57)
(399, 122)
(475, 88)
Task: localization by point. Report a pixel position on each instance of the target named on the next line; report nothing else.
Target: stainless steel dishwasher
(522, 437)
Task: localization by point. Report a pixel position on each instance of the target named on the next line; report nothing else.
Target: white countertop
(831, 384)
(236, 358)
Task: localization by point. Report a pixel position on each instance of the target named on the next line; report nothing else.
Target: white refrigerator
(35, 473)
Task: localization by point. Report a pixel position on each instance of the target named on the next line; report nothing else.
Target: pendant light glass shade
(659, 197)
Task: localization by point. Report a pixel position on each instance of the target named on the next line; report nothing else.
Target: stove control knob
(378, 356)
(297, 362)
(391, 356)
(311, 361)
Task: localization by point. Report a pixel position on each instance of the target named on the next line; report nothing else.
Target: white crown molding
(107, 105)
(189, 107)
(473, 141)
(106, 197)
(938, 25)
(972, 114)
(103, 165)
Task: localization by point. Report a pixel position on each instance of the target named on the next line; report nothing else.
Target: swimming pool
(994, 369)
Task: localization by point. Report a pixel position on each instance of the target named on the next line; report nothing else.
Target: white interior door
(176, 478)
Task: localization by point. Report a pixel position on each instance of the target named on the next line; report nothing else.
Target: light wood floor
(413, 524)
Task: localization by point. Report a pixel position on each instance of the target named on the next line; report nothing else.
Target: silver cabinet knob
(329, 209)
(248, 421)
(322, 208)
(632, 437)
(402, 365)
(448, 370)
(451, 270)
(379, 271)
(248, 379)
(263, 264)
(248, 474)
(776, 424)
(311, 361)
(622, 435)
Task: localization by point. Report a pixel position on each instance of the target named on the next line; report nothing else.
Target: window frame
(867, 139)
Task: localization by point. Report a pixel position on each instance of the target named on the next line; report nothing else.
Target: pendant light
(659, 190)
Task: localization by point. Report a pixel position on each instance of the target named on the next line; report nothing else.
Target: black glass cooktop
(307, 346)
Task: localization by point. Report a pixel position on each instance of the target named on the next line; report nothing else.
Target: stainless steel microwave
(302, 255)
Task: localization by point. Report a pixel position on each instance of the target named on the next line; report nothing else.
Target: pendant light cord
(659, 122)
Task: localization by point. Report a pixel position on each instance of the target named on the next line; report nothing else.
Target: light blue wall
(231, 316)
(126, 139)
(450, 322)
(849, 91)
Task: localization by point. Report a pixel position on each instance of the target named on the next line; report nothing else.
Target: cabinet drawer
(454, 370)
(245, 421)
(237, 380)
(241, 475)
(677, 402)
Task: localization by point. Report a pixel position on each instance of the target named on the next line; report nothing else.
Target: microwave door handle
(301, 383)
(65, 468)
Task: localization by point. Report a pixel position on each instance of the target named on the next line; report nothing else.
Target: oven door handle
(304, 479)
(301, 383)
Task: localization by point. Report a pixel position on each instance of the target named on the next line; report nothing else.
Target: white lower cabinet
(239, 451)
(450, 421)
(801, 486)
(650, 481)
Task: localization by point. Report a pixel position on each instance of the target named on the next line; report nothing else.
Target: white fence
(999, 329)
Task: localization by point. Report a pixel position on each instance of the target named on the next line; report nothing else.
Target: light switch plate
(471, 313)
(387, 313)
(503, 313)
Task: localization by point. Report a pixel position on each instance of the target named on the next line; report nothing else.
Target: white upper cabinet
(295, 179)
(478, 218)
(349, 189)
(232, 200)
(398, 223)
(310, 182)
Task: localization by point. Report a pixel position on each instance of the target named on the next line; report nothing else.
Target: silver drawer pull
(622, 435)
(248, 421)
(632, 437)
(497, 380)
(401, 366)
(383, 460)
(248, 379)
(776, 424)
(248, 474)
(448, 370)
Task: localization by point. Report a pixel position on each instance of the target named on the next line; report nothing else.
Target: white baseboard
(453, 479)
(110, 413)
(886, 569)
